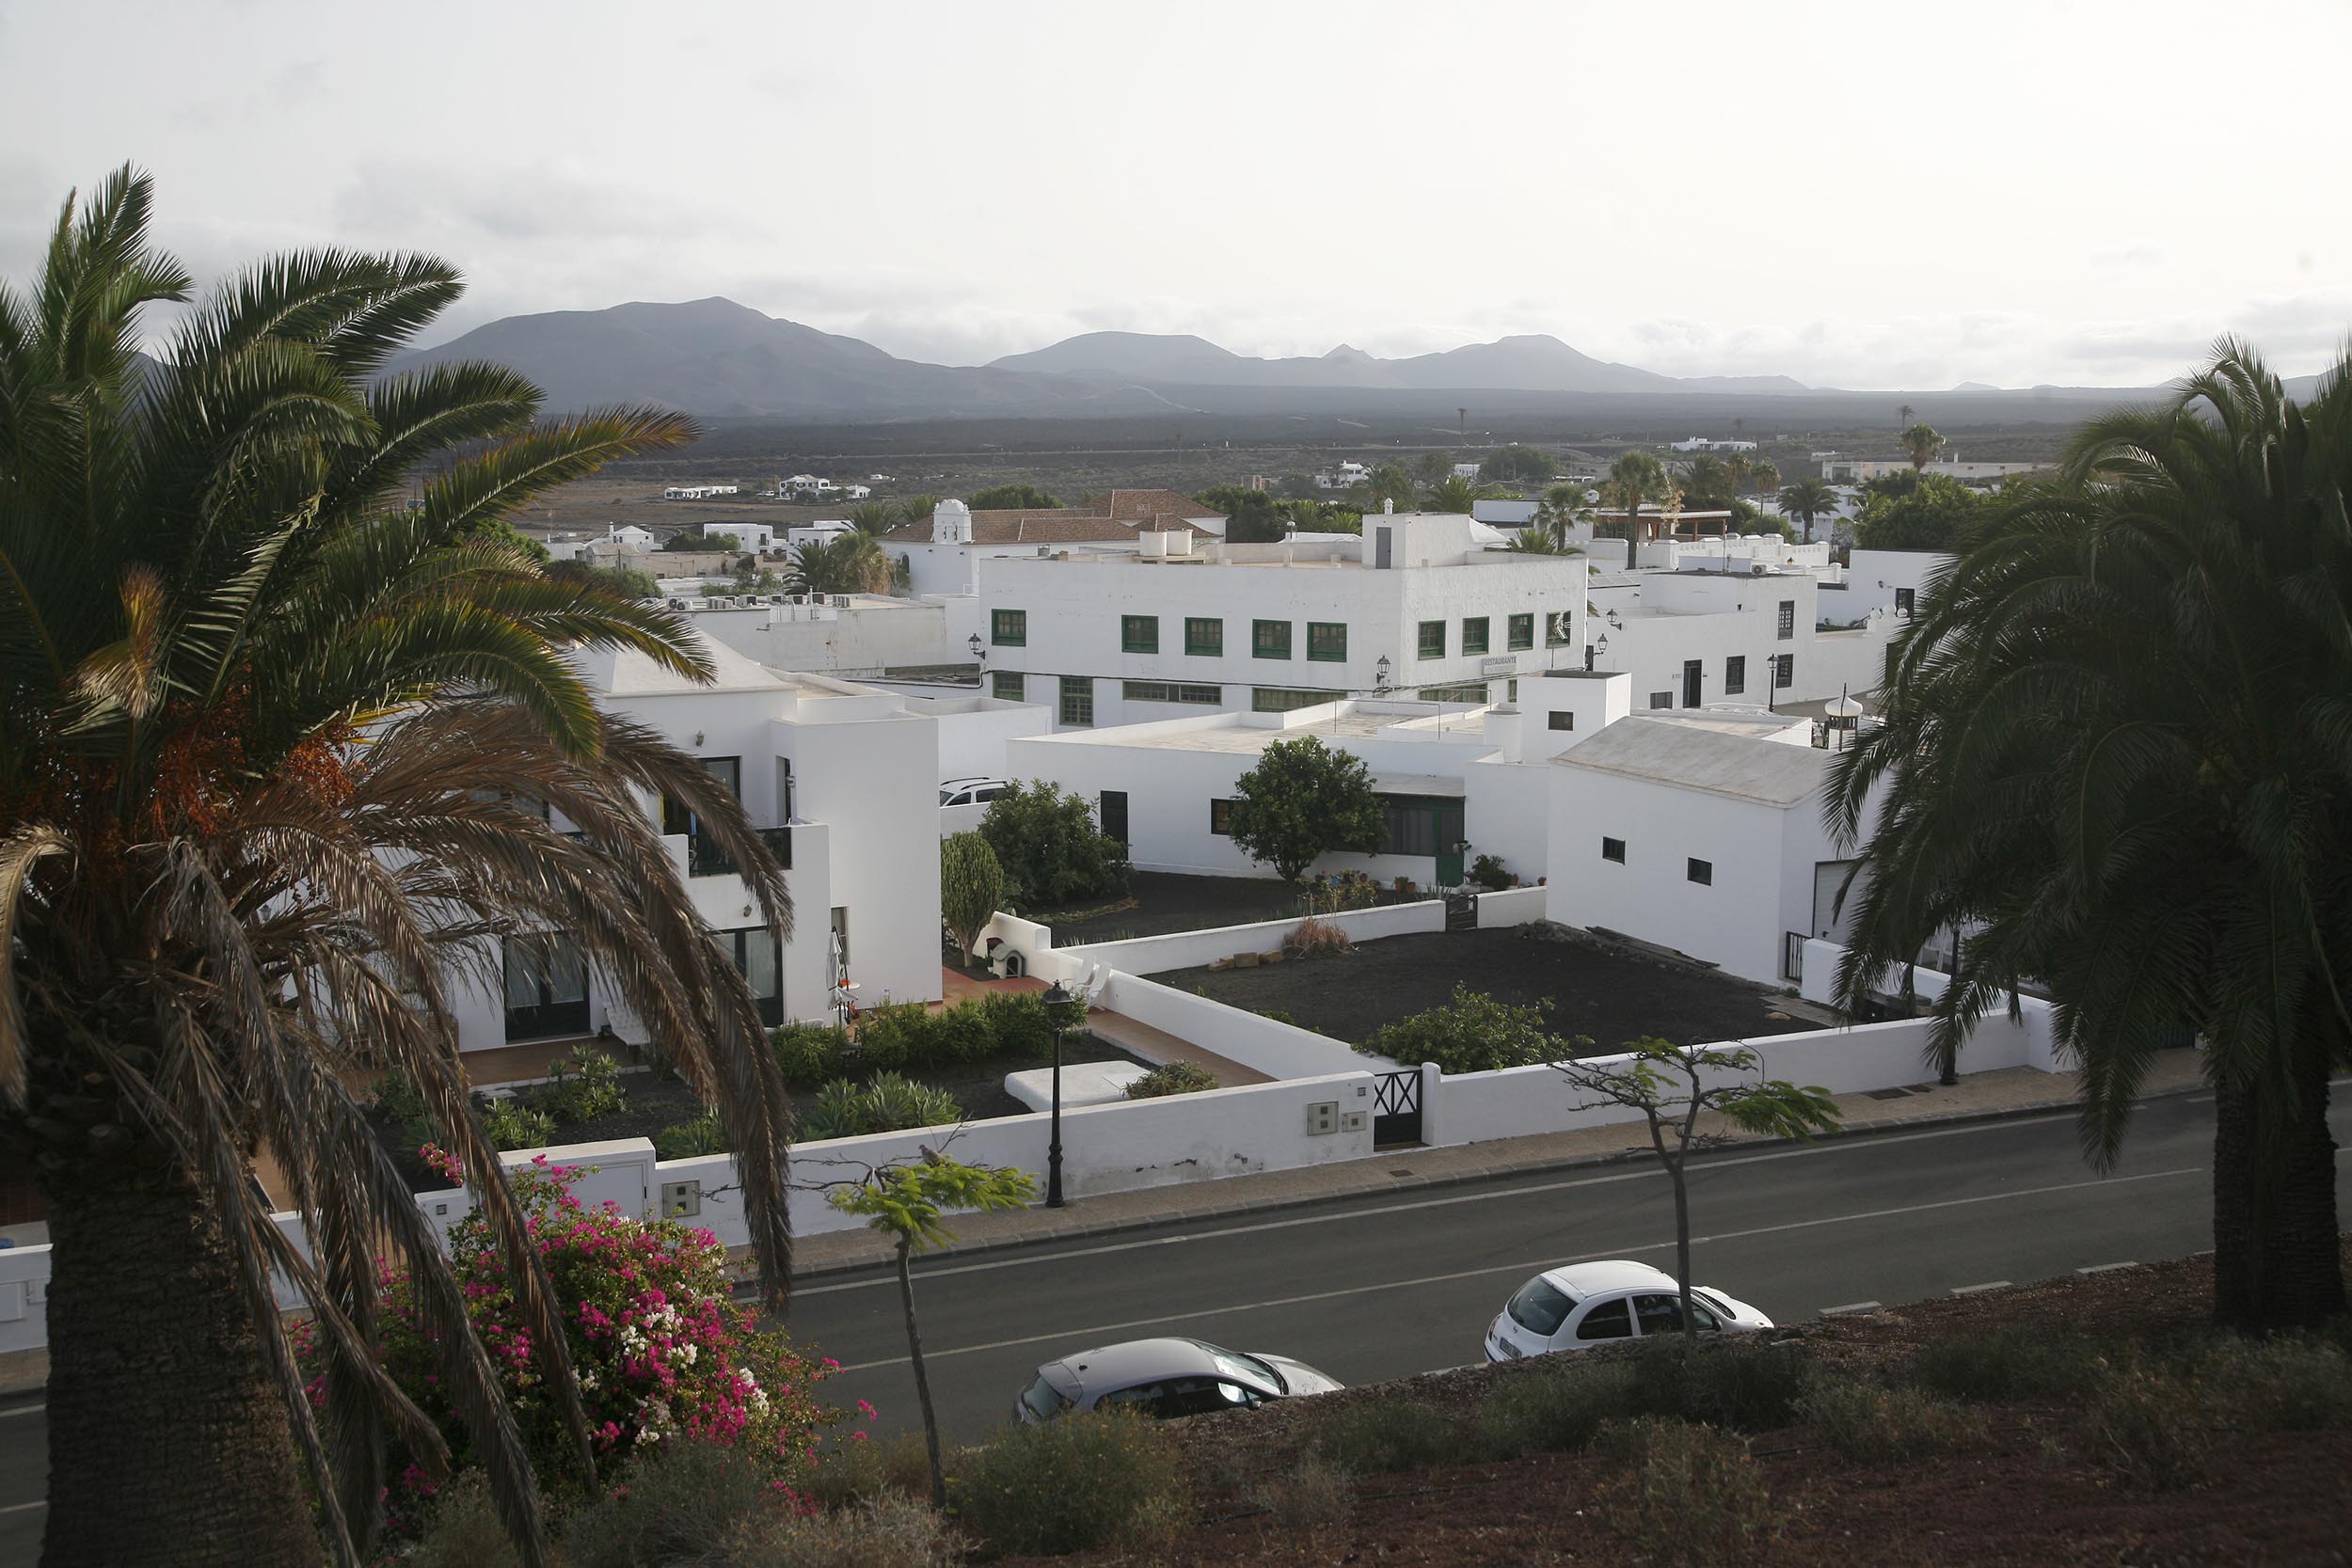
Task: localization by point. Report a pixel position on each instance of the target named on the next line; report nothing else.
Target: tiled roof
(1119, 519)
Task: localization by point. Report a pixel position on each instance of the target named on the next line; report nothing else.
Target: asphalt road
(1369, 1289)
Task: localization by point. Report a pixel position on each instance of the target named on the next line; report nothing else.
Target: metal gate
(1397, 1109)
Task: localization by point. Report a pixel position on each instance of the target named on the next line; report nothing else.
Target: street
(1370, 1288)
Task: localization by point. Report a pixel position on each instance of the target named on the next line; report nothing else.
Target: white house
(849, 634)
(806, 487)
(698, 492)
(942, 555)
(822, 532)
(1894, 580)
(1735, 630)
(1465, 470)
(857, 492)
(1416, 605)
(630, 536)
(1705, 443)
(1346, 476)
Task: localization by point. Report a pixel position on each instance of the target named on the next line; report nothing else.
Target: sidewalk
(1979, 1097)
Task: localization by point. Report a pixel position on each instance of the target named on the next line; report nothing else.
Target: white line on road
(1977, 1289)
(1531, 1265)
(22, 1410)
(26, 1508)
(1849, 1310)
(2108, 1268)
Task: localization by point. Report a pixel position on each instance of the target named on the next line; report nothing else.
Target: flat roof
(1706, 757)
(1232, 733)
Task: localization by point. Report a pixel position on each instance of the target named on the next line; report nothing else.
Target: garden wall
(1517, 906)
(1192, 949)
(1262, 1044)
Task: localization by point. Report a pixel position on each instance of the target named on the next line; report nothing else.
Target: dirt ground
(2030, 1499)
(1611, 994)
(1166, 901)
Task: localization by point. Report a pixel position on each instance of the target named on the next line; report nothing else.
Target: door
(1114, 815)
(1380, 560)
(546, 987)
(1397, 1109)
(1449, 865)
(1691, 682)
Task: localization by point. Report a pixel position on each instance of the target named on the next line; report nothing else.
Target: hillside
(1527, 363)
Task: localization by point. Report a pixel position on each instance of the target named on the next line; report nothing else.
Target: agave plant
(278, 737)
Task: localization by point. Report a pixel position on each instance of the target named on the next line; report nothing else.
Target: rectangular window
(1421, 824)
(1661, 699)
(1270, 639)
(1009, 685)
(1433, 639)
(1701, 872)
(1171, 691)
(1009, 628)
(1113, 813)
(1612, 849)
(1469, 692)
(1559, 629)
(1326, 641)
(1904, 599)
(546, 987)
(1563, 720)
(1785, 670)
(675, 818)
(1282, 699)
(1519, 632)
(1077, 700)
(753, 950)
(1474, 634)
(1138, 634)
(1205, 637)
(1221, 819)
(1788, 619)
(1735, 675)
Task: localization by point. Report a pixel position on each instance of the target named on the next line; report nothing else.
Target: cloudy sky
(2069, 191)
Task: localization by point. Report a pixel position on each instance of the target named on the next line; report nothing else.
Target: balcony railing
(779, 842)
(703, 858)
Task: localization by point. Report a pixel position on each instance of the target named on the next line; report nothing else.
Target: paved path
(1157, 1047)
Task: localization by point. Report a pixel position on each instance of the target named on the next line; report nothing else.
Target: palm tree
(1766, 476)
(917, 510)
(273, 754)
(1389, 483)
(1634, 479)
(2118, 758)
(876, 518)
(1920, 443)
(1455, 494)
(1807, 500)
(1563, 508)
(847, 563)
(1902, 416)
(1704, 479)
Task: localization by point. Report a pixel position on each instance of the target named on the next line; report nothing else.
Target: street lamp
(979, 654)
(1380, 674)
(1056, 1000)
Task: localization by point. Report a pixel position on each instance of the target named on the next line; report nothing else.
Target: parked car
(1165, 1378)
(970, 792)
(1592, 1303)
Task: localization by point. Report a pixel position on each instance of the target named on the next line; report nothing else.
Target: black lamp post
(1057, 1001)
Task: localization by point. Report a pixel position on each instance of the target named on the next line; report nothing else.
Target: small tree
(1050, 847)
(1302, 799)
(1472, 1033)
(905, 1203)
(1920, 444)
(971, 886)
(1670, 1085)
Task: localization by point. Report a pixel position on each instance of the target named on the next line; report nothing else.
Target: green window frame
(1326, 643)
(1433, 639)
(1138, 634)
(1282, 699)
(1171, 691)
(1077, 700)
(1474, 634)
(1009, 685)
(1009, 628)
(1559, 629)
(1466, 691)
(1519, 632)
(1205, 637)
(1269, 639)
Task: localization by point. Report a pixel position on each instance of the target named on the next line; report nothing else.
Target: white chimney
(1388, 505)
(951, 523)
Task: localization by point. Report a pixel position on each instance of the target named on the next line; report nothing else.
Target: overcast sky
(1855, 195)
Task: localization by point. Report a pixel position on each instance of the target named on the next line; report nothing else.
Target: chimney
(1388, 505)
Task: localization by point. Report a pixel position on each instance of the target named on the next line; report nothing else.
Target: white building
(857, 492)
(942, 556)
(823, 531)
(1416, 605)
(806, 487)
(1894, 581)
(1744, 633)
(629, 536)
(1705, 443)
(847, 634)
(842, 777)
(698, 492)
(1346, 476)
(1466, 471)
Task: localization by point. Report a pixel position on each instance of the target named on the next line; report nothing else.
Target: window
(546, 987)
(1113, 813)
(1701, 872)
(1611, 1320)
(1221, 819)
(1138, 634)
(1785, 670)
(1661, 699)
(1326, 641)
(1009, 628)
(1904, 599)
(1474, 634)
(1559, 630)
(1077, 700)
(1734, 676)
(1421, 824)
(1282, 699)
(675, 818)
(1205, 637)
(841, 936)
(1612, 849)
(1563, 721)
(1540, 1308)
(1519, 632)
(1662, 1314)
(1269, 639)
(1171, 691)
(1007, 685)
(1469, 692)
(1433, 639)
(1788, 619)
(753, 950)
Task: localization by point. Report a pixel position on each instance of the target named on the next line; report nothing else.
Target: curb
(1450, 1178)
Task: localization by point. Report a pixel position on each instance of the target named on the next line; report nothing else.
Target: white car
(1165, 1378)
(970, 792)
(1592, 1303)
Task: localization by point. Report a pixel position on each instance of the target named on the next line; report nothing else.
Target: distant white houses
(1708, 443)
(1343, 477)
(857, 492)
(1860, 470)
(630, 536)
(1466, 471)
(698, 492)
(806, 487)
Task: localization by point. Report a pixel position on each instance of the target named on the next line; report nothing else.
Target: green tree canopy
(700, 541)
(875, 517)
(1431, 467)
(1518, 464)
(1387, 482)
(917, 510)
(1808, 500)
(1920, 444)
(1472, 1032)
(1934, 512)
(626, 581)
(971, 887)
(1252, 516)
(1308, 515)
(850, 563)
(1010, 497)
(1051, 849)
(1302, 799)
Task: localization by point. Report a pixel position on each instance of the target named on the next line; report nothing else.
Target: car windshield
(1540, 1308)
(1718, 1303)
(1233, 1363)
(1043, 1400)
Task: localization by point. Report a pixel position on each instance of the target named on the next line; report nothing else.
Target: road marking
(2201, 1100)
(1849, 1308)
(22, 1410)
(1647, 1172)
(1977, 1289)
(1531, 1266)
(2108, 1268)
(25, 1508)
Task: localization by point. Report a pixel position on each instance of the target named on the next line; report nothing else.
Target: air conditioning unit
(1757, 570)
(677, 604)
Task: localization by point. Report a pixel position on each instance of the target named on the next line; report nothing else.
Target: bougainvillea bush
(662, 1354)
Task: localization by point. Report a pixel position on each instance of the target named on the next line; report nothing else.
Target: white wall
(1872, 577)
(1276, 1049)
(1191, 949)
(1518, 906)
(864, 638)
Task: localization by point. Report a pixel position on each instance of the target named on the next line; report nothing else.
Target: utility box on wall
(1322, 1116)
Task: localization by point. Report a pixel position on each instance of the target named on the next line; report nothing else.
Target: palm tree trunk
(922, 1379)
(2275, 1258)
(167, 1442)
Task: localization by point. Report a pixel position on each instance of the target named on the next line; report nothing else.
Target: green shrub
(399, 1098)
(465, 1530)
(1374, 1436)
(888, 1532)
(1279, 1015)
(1052, 851)
(896, 1038)
(839, 1112)
(1344, 890)
(2300, 1384)
(1486, 872)
(2147, 1430)
(512, 1124)
(583, 1086)
(1172, 1078)
(855, 1472)
(809, 1053)
(888, 1102)
(2007, 1364)
(683, 1140)
(1553, 1410)
(676, 1503)
(1691, 1495)
(1311, 1493)
(1741, 1388)
(1017, 1024)
(1101, 1479)
(1869, 1421)
(1472, 1033)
